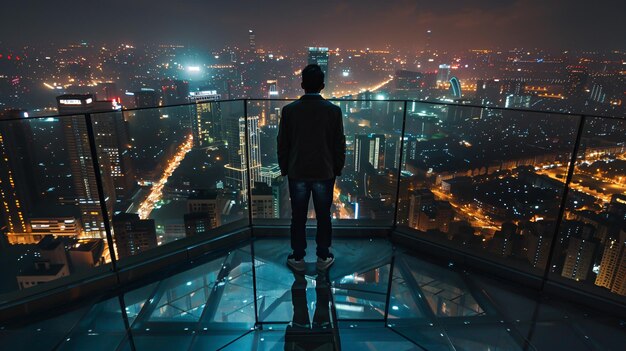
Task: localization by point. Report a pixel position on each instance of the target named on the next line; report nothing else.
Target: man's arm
(339, 151)
(283, 144)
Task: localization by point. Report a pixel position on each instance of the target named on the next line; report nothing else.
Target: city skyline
(143, 133)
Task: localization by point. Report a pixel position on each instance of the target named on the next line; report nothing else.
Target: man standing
(311, 153)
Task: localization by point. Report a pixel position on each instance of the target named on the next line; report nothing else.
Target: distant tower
(455, 87)
(252, 40)
(429, 38)
(577, 77)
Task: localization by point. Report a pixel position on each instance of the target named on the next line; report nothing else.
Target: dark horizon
(401, 24)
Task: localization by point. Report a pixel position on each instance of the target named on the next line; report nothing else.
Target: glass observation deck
(456, 227)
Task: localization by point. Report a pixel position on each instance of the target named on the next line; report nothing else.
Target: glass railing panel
(364, 194)
(174, 173)
(478, 180)
(52, 226)
(212, 301)
(433, 305)
(102, 328)
(590, 252)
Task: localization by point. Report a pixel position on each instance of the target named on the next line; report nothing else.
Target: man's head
(312, 79)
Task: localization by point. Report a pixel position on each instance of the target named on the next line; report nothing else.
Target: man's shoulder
(320, 102)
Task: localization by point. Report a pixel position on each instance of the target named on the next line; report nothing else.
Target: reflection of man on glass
(311, 153)
(301, 334)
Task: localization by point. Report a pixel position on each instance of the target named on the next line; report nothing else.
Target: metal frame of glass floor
(375, 297)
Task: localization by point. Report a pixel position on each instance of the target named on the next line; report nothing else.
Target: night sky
(456, 24)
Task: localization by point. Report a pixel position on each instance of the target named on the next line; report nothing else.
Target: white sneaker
(296, 265)
(324, 263)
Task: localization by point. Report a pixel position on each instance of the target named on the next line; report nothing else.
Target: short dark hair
(312, 78)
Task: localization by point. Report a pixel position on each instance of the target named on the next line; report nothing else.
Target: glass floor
(209, 304)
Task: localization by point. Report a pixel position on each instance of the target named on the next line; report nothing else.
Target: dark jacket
(311, 143)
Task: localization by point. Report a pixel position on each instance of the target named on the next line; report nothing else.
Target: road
(156, 192)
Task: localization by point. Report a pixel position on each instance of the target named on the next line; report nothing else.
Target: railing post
(559, 219)
(101, 196)
(395, 213)
(249, 195)
(389, 285)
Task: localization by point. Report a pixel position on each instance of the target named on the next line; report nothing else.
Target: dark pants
(300, 191)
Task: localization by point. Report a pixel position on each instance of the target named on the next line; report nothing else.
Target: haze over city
(558, 24)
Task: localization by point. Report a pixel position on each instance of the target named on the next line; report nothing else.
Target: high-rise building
(320, 56)
(18, 188)
(79, 154)
(409, 80)
(517, 101)
(206, 126)
(503, 240)
(612, 274)
(236, 171)
(455, 88)
(198, 223)
(577, 77)
(269, 173)
(617, 207)
(280, 195)
(262, 201)
(429, 40)
(488, 91)
(133, 235)
(443, 74)
(252, 40)
(580, 251)
(208, 202)
(269, 88)
(174, 91)
(369, 149)
(419, 198)
(537, 238)
(457, 114)
(146, 98)
(109, 91)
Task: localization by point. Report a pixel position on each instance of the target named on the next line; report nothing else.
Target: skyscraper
(369, 149)
(208, 202)
(320, 56)
(580, 251)
(133, 235)
(262, 201)
(443, 74)
(429, 40)
(81, 166)
(577, 77)
(252, 40)
(174, 91)
(236, 172)
(17, 184)
(146, 98)
(612, 274)
(205, 124)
